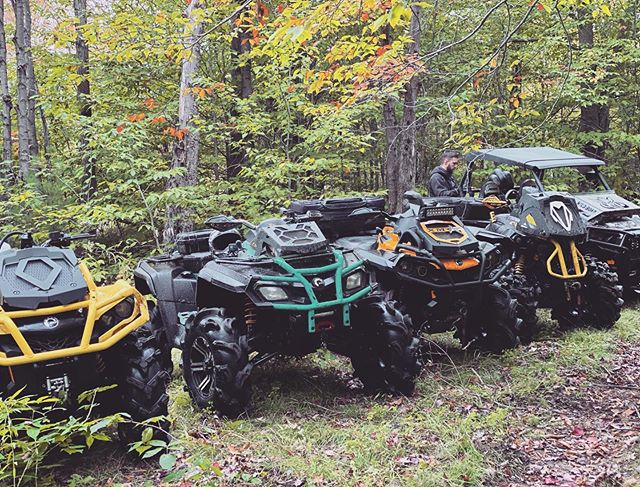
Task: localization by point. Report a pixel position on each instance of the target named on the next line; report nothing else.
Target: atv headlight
(355, 280)
(273, 293)
(124, 309)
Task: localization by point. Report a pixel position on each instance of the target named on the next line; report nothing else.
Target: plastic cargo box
(192, 242)
(336, 220)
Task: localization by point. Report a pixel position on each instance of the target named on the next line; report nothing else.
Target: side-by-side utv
(549, 239)
(61, 334)
(231, 302)
(442, 272)
(612, 222)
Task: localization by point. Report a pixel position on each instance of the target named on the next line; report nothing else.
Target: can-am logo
(51, 322)
(561, 214)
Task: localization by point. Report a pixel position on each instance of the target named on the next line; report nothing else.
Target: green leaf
(177, 475)
(151, 453)
(33, 433)
(147, 434)
(167, 461)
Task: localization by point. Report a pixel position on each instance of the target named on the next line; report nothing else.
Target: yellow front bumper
(98, 302)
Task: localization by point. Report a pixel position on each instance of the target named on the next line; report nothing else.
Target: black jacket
(441, 183)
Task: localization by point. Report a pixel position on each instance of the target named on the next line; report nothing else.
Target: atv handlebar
(59, 239)
(56, 239)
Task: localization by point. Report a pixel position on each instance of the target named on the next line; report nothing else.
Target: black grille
(46, 344)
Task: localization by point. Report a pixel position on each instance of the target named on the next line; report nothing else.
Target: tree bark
(7, 149)
(34, 147)
(186, 144)
(83, 92)
(22, 106)
(243, 82)
(401, 133)
(593, 117)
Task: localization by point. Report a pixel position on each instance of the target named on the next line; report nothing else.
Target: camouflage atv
(613, 223)
(552, 269)
(61, 335)
(442, 272)
(232, 302)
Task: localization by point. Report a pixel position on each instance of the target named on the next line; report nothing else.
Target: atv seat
(357, 242)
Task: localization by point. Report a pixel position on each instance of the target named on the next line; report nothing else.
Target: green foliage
(30, 436)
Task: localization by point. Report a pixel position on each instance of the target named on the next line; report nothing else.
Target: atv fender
(221, 286)
(175, 290)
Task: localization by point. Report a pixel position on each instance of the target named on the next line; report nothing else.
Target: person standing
(441, 181)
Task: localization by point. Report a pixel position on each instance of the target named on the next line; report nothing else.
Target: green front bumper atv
(282, 290)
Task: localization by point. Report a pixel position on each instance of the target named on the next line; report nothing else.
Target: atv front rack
(298, 275)
(98, 302)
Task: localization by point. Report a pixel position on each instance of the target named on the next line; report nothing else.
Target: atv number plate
(56, 385)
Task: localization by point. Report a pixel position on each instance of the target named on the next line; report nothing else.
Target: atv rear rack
(98, 302)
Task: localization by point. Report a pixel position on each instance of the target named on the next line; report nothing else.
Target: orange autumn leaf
(157, 120)
(280, 8)
(262, 9)
(136, 117)
(208, 90)
(365, 16)
(120, 128)
(219, 86)
(290, 88)
(150, 103)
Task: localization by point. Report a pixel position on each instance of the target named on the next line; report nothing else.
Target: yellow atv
(61, 335)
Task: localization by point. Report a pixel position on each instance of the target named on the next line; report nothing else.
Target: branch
(475, 30)
(223, 21)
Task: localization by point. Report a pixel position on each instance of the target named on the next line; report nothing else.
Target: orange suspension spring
(250, 313)
(519, 266)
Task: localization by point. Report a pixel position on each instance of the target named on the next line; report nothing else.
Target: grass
(311, 425)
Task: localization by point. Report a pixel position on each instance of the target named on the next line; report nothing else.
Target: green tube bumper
(299, 276)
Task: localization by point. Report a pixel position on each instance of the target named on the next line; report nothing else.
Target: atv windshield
(573, 179)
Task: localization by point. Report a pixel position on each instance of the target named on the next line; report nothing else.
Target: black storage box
(192, 242)
(336, 220)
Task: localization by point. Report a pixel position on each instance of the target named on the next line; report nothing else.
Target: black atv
(613, 223)
(61, 335)
(232, 303)
(551, 270)
(442, 272)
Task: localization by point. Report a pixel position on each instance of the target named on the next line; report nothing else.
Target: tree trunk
(242, 80)
(186, 145)
(7, 152)
(83, 92)
(401, 134)
(593, 117)
(34, 148)
(22, 106)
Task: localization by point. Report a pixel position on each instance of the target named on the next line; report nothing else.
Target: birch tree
(7, 153)
(187, 141)
(400, 131)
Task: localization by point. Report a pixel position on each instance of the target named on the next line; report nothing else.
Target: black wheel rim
(202, 366)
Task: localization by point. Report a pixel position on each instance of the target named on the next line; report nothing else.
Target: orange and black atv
(61, 335)
(441, 271)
